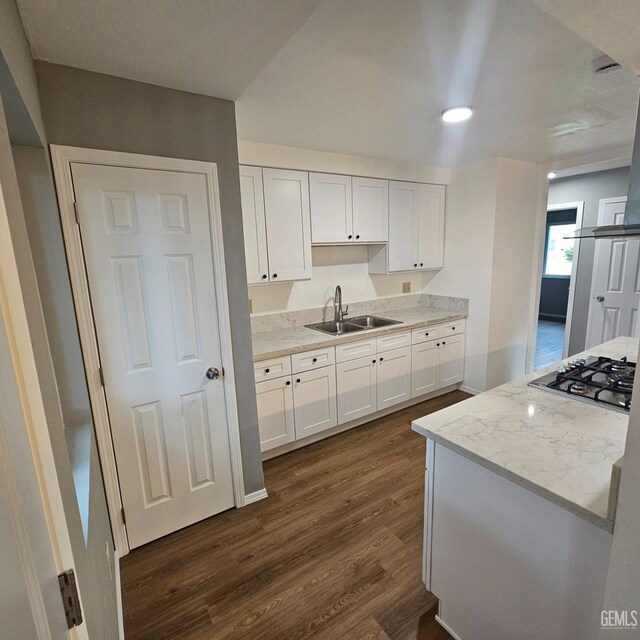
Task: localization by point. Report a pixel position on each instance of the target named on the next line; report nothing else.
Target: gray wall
(85, 109)
(590, 188)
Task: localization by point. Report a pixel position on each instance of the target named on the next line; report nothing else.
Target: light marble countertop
(273, 344)
(560, 448)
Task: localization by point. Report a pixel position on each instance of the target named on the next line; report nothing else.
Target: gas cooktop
(598, 380)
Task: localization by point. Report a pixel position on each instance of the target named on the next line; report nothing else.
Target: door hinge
(70, 599)
(75, 209)
(124, 518)
(101, 374)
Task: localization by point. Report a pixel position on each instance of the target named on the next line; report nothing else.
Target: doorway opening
(557, 282)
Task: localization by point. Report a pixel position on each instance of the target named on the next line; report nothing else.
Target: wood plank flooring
(334, 552)
(549, 343)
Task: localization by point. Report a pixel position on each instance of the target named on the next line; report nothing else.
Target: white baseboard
(255, 496)
(447, 628)
(473, 392)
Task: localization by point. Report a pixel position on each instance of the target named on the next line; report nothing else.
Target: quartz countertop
(560, 448)
(281, 342)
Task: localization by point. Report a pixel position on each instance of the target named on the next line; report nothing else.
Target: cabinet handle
(381, 359)
(288, 382)
(357, 237)
(416, 264)
(426, 334)
(315, 360)
(422, 264)
(267, 370)
(437, 344)
(264, 277)
(275, 275)
(373, 361)
(453, 328)
(298, 381)
(349, 237)
(443, 343)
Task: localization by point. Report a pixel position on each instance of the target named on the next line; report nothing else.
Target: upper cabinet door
(431, 226)
(331, 214)
(253, 222)
(370, 210)
(286, 202)
(403, 225)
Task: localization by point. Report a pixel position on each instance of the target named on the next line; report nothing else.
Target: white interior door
(615, 285)
(147, 246)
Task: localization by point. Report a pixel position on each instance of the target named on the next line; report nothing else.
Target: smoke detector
(604, 64)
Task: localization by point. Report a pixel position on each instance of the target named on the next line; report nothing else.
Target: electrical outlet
(250, 305)
(406, 287)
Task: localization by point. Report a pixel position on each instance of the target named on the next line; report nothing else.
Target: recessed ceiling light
(551, 175)
(457, 114)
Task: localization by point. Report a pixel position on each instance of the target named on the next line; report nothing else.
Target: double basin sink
(361, 323)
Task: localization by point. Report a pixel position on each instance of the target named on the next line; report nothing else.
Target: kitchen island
(519, 509)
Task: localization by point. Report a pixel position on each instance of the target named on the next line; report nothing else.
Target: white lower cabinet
(314, 401)
(424, 368)
(357, 388)
(451, 360)
(275, 412)
(394, 377)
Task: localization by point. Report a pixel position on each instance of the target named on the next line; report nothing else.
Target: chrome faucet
(339, 313)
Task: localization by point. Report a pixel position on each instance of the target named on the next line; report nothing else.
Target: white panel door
(424, 367)
(147, 246)
(450, 360)
(253, 222)
(615, 288)
(430, 238)
(286, 202)
(403, 226)
(275, 413)
(370, 210)
(314, 401)
(357, 389)
(331, 209)
(394, 377)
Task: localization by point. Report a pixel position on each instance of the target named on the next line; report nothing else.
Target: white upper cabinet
(277, 225)
(416, 229)
(370, 210)
(348, 210)
(331, 208)
(254, 224)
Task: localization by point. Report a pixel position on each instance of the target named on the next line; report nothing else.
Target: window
(558, 256)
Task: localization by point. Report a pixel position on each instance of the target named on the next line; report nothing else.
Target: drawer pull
(288, 382)
(453, 328)
(426, 334)
(373, 361)
(349, 237)
(443, 343)
(267, 370)
(437, 344)
(264, 276)
(298, 381)
(381, 359)
(357, 237)
(315, 360)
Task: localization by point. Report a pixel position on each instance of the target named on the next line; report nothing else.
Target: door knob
(600, 298)
(213, 373)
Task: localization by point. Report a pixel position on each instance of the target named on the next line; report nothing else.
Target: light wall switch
(406, 287)
(250, 305)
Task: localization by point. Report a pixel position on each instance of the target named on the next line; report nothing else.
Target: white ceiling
(366, 77)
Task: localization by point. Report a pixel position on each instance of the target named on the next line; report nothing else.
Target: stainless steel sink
(372, 322)
(361, 323)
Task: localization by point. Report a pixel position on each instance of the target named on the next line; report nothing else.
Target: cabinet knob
(422, 264)
(453, 328)
(381, 359)
(264, 276)
(315, 360)
(267, 370)
(357, 237)
(443, 343)
(437, 344)
(275, 275)
(288, 382)
(426, 334)
(416, 264)
(373, 361)
(349, 237)
(298, 380)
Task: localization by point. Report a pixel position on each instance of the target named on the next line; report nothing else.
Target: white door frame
(62, 157)
(601, 205)
(13, 316)
(579, 207)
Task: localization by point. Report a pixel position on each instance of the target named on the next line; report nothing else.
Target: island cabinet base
(505, 562)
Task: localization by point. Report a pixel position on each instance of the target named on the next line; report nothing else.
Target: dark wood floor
(549, 343)
(333, 553)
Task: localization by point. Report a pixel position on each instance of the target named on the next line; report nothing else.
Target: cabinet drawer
(354, 350)
(451, 328)
(393, 341)
(274, 368)
(313, 359)
(426, 333)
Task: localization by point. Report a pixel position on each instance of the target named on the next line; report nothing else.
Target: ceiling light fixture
(457, 114)
(551, 175)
